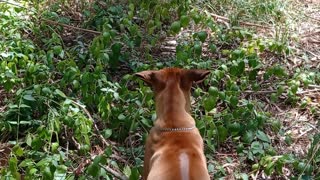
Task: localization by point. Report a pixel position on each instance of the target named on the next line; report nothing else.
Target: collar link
(176, 129)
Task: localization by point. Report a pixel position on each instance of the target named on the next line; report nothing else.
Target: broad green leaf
(213, 48)
(175, 27)
(196, 18)
(244, 176)
(26, 163)
(108, 151)
(94, 170)
(234, 128)
(127, 171)
(233, 101)
(60, 93)
(248, 137)
(222, 133)
(100, 159)
(202, 35)
(262, 136)
(107, 133)
(28, 97)
(134, 174)
(257, 148)
(213, 91)
(209, 103)
(197, 49)
(17, 150)
(184, 21)
(54, 147)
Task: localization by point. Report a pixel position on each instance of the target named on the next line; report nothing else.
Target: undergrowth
(74, 110)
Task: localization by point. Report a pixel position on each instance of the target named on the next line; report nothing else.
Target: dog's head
(172, 85)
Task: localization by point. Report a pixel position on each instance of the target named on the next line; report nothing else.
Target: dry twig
(115, 173)
(241, 22)
(311, 34)
(94, 123)
(71, 27)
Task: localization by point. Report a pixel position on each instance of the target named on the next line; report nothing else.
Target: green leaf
(213, 91)
(202, 35)
(60, 93)
(222, 95)
(244, 176)
(134, 174)
(29, 97)
(197, 49)
(107, 133)
(116, 48)
(108, 151)
(46, 90)
(127, 171)
(234, 101)
(262, 136)
(100, 159)
(24, 106)
(121, 117)
(26, 163)
(248, 137)
(175, 27)
(47, 174)
(256, 148)
(184, 20)
(18, 150)
(234, 128)
(209, 103)
(213, 48)
(94, 170)
(54, 147)
(222, 133)
(196, 18)
(241, 67)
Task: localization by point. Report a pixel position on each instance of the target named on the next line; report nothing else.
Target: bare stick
(115, 173)
(260, 92)
(274, 91)
(308, 90)
(311, 34)
(94, 123)
(314, 86)
(241, 22)
(71, 27)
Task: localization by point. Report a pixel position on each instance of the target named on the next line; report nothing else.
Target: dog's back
(174, 148)
(177, 156)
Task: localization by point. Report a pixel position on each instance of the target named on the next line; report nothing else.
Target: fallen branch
(78, 146)
(274, 91)
(71, 27)
(115, 173)
(79, 170)
(307, 91)
(311, 34)
(260, 92)
(314, 86)
(314, 41)
(94, 123)
(241, 22)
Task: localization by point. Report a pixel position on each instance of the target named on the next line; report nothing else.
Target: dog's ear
(197, 75)
(147, 76)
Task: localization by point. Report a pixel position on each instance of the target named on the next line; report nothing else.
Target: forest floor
(299, 123)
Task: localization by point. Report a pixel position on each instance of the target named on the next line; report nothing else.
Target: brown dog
(174, 148)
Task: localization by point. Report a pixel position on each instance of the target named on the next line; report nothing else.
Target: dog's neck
(172, 108)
